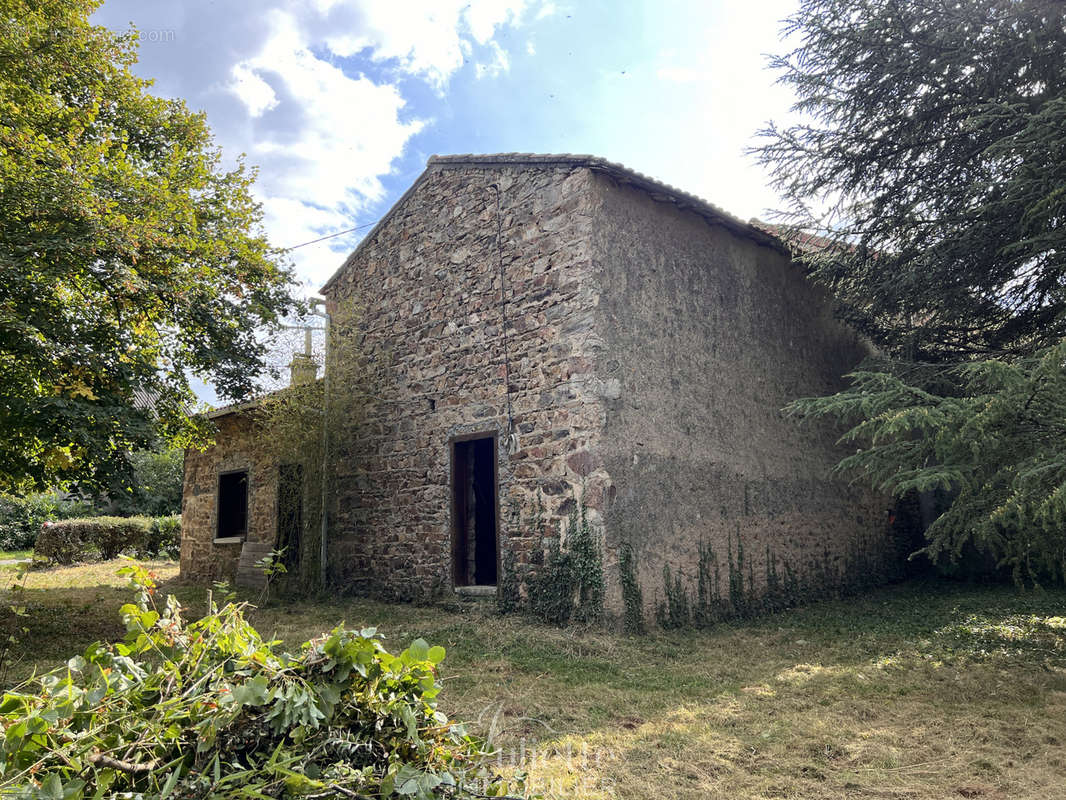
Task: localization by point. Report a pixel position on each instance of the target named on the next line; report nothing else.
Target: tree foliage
(930, 157)
(129, 257)
(208, 709)
(155, 486)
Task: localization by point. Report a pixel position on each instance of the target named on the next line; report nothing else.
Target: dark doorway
(232, 504)
(474, 511)
(290, 514)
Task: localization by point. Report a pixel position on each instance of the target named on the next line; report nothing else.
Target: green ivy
(508, 585)
(675, 613)
(587, 565)
(551, 587)
(632, 596)
(864, 566)
(565, 584)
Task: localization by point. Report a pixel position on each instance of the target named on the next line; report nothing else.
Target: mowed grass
(921, 690)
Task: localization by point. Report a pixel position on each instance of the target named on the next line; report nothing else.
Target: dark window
(290, 513)
(232, 504)
(474, 547)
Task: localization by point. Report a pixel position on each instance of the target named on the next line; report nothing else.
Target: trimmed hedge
(71, 540)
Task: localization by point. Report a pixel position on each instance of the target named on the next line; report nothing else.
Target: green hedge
(73, 540)
(21, 518)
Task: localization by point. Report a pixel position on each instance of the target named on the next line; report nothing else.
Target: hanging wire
(332, 235)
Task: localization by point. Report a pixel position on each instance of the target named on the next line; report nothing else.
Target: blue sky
(340, 102)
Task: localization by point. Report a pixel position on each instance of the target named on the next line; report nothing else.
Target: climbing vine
(300, 427)
(562, 584)
(587, 565)
(863, 566)
(632, 596)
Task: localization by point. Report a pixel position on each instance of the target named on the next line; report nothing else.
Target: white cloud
(284, 85)
(500, 62)
(484, 16)
(546, 10)
(324, 139)
(427, 38)
(252, 90)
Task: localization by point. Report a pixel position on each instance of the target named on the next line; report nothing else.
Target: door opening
(232, 505)
(474, 500)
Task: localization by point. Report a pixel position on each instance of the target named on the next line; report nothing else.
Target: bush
(155, 484)
(164, 538)
(68, 541)
(59, 544)
(21, 518)
(210, 710)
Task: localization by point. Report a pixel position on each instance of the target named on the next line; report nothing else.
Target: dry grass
(916, 691)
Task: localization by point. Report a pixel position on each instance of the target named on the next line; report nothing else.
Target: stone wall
(238, 446)
(476, 292)
(707, 335)
(640, 355)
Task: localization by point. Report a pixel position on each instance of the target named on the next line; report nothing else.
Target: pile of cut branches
(211, 710)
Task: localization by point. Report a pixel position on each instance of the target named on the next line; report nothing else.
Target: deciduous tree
(130, 258)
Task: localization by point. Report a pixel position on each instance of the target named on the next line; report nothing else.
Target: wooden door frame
(494, 435)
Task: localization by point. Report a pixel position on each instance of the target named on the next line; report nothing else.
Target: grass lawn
(15, 555)
(914, 691)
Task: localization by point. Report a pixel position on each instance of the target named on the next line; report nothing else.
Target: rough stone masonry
(618, 340)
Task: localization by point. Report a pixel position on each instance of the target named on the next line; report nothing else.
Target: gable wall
(709, 335)
(429, 287)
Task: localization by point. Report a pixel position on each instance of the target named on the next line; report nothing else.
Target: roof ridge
(658, 189)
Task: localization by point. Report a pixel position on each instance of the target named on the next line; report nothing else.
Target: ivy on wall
(864, 565)
(563, 583)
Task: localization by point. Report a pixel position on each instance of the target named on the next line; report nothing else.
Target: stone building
(563, 328)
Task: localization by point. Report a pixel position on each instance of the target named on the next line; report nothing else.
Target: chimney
(302, 368)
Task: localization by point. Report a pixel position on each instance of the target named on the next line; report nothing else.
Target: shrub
(59, 544)
(21, 518)
(113, 535)
(71, 540)
(164, 538)
(210, 710)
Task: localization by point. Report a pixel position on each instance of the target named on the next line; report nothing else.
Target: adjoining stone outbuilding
(560, 327)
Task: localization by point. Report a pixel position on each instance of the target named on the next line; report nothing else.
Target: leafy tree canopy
(129, 258)
(156, 484)
(931, 155)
